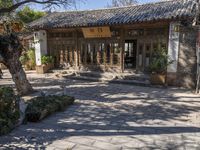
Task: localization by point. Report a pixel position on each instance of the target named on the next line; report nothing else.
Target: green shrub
(24, 59)
(9, 110)
(31, 56)
(160, 62)
(41, 107)
(28, 59)
(47, 60)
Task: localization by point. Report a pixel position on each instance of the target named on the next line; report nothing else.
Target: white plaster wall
(40, 40)
(173, 47)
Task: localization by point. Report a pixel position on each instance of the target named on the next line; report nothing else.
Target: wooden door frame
(133, 39)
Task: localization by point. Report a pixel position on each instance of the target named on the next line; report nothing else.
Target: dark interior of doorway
(130, 54)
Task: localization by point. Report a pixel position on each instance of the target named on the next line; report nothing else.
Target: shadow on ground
(111, 110)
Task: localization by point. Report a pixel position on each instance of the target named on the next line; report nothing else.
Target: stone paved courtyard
(111, 117)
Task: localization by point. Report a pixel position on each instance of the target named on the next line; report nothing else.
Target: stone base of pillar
(172, 78)
(181, 80)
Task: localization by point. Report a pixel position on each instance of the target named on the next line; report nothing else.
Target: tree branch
(43, 2)
(13, 7)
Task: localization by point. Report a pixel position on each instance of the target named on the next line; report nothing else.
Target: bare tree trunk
(10, 52)
(19, 77)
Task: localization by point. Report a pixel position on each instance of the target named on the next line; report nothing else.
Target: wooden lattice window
(60, 35)
(115, 33)
(116, 53)
(140, 55)
(133, 33)
(101, 53)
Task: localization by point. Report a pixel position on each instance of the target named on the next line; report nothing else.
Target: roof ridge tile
(178, 9)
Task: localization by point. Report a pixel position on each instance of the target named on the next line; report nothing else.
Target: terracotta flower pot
(44, 68)
(158, 79)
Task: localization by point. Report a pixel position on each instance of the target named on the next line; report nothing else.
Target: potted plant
(28, 59)
(47, 64)
(158, 66)
(24, 60)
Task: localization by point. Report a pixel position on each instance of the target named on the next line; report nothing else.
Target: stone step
(93, 79)
(132, 82)
(106, 75)
(96, 75)
(118, 78)
(138, 77)
(114, 81)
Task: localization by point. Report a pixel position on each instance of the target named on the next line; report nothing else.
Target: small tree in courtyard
(10, 45)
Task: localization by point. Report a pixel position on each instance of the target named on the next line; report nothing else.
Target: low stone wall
(103, 68)
(186, 74)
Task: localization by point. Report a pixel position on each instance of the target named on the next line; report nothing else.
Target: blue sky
(93, 4)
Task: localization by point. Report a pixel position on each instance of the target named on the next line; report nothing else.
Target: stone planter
(40, 107)
(158, 79)
(44, 68)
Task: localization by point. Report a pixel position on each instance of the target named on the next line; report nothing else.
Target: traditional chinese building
(120, 39)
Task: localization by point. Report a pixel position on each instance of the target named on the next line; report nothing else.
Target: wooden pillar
(57, 55)
(91, 54)
(76, 59)
(122, 47)
(105, 56)
(79, 55)
(111, 54)
(75, 50)
(85, 54)
(61, 56)
(98, 54)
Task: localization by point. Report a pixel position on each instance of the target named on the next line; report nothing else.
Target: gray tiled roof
(168, 10)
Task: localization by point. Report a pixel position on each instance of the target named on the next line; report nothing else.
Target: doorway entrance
(130, 54)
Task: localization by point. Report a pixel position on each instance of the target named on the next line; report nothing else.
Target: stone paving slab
(111, 117)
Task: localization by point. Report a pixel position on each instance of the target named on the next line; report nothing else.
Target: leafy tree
(10, 45)
(28, 15)
(120, 3)
(5, 3)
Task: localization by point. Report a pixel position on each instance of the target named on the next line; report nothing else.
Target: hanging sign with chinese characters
(96, 32)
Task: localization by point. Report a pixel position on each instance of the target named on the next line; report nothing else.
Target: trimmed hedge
(38, 108)
(41, 107)
(9, 110)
